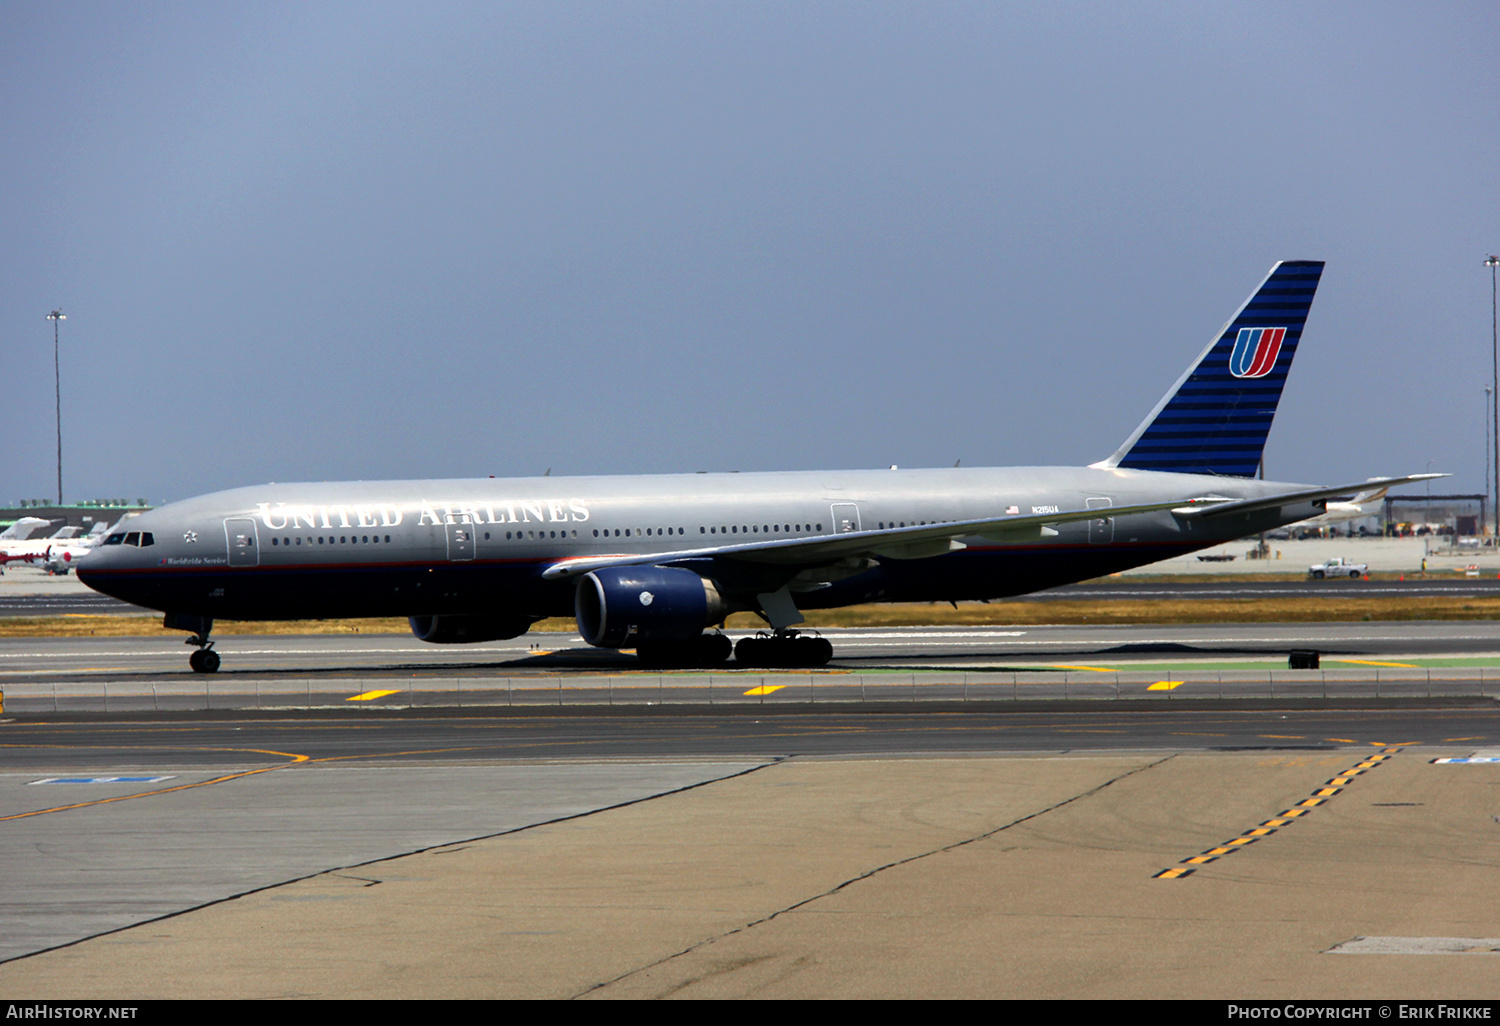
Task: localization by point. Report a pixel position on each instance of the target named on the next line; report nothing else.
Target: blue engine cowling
(621, 605)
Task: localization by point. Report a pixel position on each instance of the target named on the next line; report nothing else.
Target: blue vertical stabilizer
(1216, 417)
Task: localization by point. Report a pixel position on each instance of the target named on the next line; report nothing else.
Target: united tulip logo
(1255, 352)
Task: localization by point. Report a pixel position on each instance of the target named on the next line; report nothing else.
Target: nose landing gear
(205, 659)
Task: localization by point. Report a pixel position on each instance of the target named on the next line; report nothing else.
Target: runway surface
(871, 665)
(854, 648)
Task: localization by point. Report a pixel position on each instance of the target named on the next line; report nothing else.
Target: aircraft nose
(98, 556)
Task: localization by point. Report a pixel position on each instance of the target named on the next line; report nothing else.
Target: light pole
(1488, 393)
(57, 380)
(1492, 262)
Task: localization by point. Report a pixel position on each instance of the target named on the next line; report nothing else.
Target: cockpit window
(147, 539)
(115, 539)
(133, 538)
(137, 538)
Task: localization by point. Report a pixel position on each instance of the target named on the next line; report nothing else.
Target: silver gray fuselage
(419, 548)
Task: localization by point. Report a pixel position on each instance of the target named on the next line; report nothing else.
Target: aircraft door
(1101, 531)
(460, 538)
(845, 518)
(244, 545)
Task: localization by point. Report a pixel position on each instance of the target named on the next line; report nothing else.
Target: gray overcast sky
(317, 241)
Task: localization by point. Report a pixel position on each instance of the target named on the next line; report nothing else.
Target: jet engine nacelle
(621, 605)
(464, 628)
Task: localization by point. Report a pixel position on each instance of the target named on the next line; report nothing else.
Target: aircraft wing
(897, 543)
(1208, 507)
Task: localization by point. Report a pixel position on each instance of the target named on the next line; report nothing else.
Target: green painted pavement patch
(1273, 663)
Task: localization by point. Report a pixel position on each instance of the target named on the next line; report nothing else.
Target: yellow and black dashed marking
(1319, 796)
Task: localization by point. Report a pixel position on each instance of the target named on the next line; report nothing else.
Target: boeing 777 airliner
(654, 562)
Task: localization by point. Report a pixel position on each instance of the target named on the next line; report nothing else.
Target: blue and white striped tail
(1215, 419)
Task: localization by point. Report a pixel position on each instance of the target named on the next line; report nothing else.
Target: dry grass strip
(901, 614)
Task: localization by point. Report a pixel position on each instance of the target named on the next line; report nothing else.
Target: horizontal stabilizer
(1210, 507)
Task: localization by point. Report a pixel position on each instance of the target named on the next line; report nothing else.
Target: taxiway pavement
(1091, 854)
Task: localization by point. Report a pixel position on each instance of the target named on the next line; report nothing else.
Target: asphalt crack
(859, 878)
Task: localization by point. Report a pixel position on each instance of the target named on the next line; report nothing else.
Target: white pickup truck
(1337, 567)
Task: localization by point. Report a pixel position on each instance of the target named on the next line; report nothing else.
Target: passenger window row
(626, 532)
(761, 529)
(650, 532)
(343, 539)
(660, 531)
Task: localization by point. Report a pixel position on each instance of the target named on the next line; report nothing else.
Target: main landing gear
(783, 649)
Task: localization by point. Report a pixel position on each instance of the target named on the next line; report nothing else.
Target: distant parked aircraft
(63, 551)
(15, 543)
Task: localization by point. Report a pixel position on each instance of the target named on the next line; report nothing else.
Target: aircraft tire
(717, 648)
(822, 651)
(749, 652)
(706, 650)
(204, 660)
(793, 653)
(657, 655)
